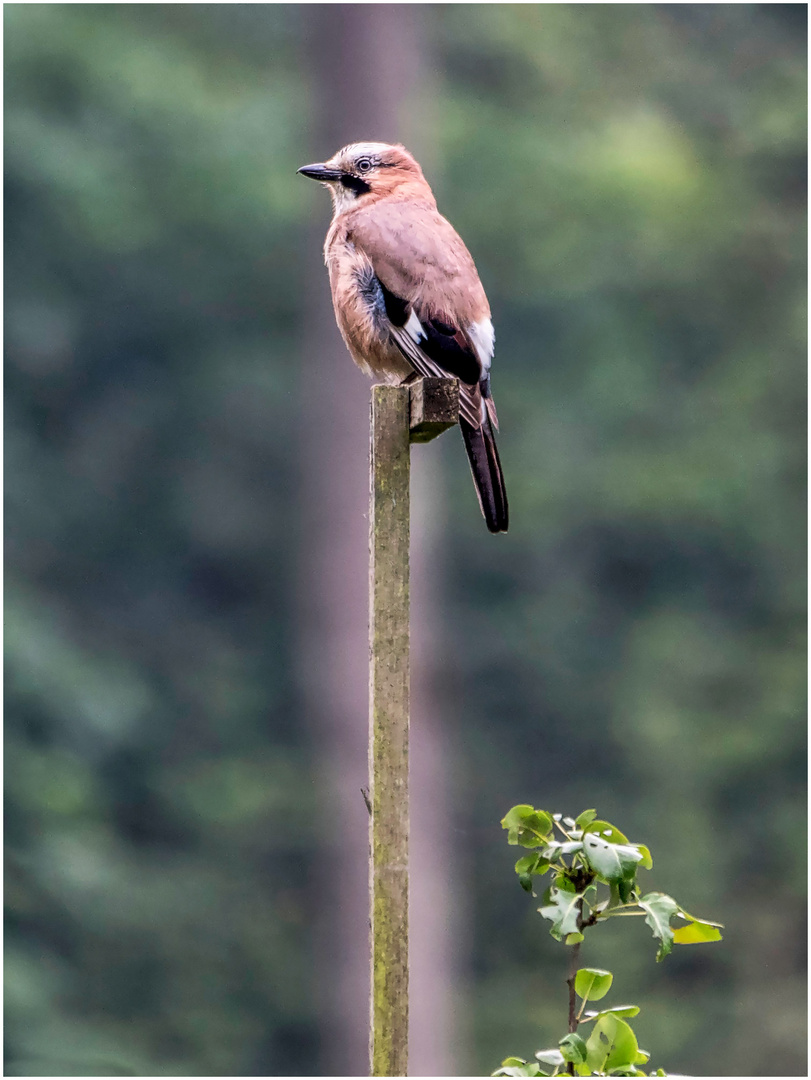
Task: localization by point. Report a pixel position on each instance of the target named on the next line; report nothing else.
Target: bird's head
(367, 172)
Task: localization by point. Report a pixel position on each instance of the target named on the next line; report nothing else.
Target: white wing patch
(483, 337)
(413, 328)
(404, 336)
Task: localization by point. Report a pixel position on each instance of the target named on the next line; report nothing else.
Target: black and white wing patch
(436, 348)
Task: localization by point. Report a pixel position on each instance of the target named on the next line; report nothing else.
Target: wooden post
(388, 727)
(400, 415)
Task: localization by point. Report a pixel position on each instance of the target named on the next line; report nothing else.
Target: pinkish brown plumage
(407, 295)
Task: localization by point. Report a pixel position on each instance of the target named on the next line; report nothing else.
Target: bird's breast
(360, 312)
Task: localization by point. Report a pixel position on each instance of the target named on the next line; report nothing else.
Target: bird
(407, 296)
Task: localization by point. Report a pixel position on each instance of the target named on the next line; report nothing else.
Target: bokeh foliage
(635, 178)
(631, 181)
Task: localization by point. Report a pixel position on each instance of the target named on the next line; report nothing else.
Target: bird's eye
(363, 164)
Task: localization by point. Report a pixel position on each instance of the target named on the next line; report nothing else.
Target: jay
(407, 297)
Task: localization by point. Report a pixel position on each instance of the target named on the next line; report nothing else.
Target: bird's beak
(320, 172)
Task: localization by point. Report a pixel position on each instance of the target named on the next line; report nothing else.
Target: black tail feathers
(480, 444)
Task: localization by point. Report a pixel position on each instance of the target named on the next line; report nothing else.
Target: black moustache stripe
(354, 183)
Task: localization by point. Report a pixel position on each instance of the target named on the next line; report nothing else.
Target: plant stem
(570, 982)
(575, 954)
(558, 825)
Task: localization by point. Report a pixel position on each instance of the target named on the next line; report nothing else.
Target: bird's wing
(432, 293)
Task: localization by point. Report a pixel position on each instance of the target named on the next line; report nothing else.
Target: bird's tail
(480, 444)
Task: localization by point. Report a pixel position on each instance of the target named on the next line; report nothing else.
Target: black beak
(319, 172)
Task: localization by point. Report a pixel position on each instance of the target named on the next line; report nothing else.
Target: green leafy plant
(593, 869)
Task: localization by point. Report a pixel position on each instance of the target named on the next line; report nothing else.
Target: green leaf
(526, 864)
(607, 831)
(562, 910)
(696, 932)
(550, 1057)
(557, 848)
(514, 816)
(513, 1066)
(617, 1010)
(531, 864)
(527, 826)
(525, 868)
(582, 820)
(574, 939)
(621, 892)
(592, 983)
(613, 862)
(519, 1070)
(647, 858)
(611, 1045)
(659, 910)
(694, 918)
(573, 1048)
(627, 889)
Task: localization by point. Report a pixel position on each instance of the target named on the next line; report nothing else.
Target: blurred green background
(631, 180)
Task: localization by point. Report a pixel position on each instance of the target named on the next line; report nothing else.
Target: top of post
(434, 407)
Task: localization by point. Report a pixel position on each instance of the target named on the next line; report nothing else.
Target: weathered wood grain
(434, 408)
(389, 727)
(417, 412)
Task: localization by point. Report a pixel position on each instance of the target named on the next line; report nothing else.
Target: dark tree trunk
(366, 64)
